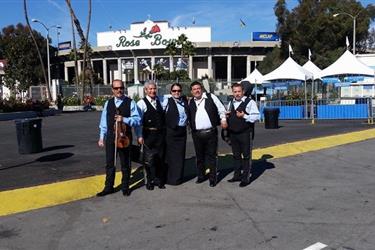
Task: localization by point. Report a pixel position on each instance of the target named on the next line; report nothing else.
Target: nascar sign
(265, 36)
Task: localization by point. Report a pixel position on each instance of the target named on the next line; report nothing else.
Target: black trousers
(111, 168)
(242, 150)
(205, 144)
(154, 155)
(175, 154)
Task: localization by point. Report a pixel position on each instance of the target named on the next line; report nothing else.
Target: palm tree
(84, 42)
(181, 45)
(37, 48)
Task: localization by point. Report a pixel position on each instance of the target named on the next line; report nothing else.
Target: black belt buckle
(205, 131)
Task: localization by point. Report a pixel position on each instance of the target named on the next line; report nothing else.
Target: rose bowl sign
(150, 35)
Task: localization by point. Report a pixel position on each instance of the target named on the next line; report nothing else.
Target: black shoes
(126, 192)
(161, 186)
(235, 179)
(213, 183)
(105, 192)
(201, 179)
(149, 186)
(244, 183)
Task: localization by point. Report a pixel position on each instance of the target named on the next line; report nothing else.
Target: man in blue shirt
(121, 109)
(243, 113)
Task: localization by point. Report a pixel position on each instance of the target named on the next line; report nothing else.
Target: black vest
(171, 115)
(210, 108)
(236, 124)
(123, 110)
(153, 118)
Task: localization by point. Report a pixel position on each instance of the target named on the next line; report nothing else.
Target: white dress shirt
(251, 109)
(202, 120)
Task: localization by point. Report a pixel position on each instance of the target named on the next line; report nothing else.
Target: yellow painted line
(30, 198)
(300, 147)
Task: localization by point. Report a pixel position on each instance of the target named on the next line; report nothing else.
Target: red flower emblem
(155, 29)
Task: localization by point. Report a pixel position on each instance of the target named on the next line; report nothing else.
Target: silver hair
(148, 83)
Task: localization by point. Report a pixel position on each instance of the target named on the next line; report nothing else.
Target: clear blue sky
(222, 15)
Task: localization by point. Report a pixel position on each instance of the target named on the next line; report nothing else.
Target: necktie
(153, 102)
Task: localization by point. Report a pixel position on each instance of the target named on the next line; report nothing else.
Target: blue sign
(65, 45)
(330, 80)
(354, 78)
(265, 36)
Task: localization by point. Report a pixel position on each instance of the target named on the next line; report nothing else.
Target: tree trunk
(75, 59)
(37, 48)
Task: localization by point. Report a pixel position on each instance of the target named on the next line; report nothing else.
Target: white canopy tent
(255, 77)
(310, 66)
(289, 70)
(347, 64)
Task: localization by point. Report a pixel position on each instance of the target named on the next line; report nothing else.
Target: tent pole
(305, 100)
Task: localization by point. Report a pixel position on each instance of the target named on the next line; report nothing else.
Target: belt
(151, 129)
(205, 131)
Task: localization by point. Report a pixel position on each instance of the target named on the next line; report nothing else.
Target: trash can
(29, 135)
(271, 118)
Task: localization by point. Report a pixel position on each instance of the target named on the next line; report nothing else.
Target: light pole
(354, 17)
(48, 58)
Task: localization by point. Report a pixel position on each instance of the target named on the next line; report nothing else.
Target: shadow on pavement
(46, 158)
(57, 147)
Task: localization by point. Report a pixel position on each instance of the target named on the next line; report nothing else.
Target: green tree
(181, 46)
(23, 65)
(311, 25)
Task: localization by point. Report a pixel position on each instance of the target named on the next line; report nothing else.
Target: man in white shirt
(152, 136)
(206, 112)
(243, 113)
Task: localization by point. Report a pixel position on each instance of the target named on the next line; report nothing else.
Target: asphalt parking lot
(70, 147)
(321, 198)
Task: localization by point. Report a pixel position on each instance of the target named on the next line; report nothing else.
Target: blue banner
(265, 36)
(326, 80)
(354, 78)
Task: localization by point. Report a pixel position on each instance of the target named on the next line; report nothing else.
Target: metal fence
(325, 109)
(97, 90)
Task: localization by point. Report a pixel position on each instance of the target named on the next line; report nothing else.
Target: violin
(121, 139)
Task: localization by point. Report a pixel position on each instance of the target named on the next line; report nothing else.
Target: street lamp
(354, 22)
(48, 59)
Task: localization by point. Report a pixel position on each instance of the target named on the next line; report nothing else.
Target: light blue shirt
(251, 109)
(182, 116)
(133, 121)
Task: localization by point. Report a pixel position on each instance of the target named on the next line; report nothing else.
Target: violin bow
(116, 125)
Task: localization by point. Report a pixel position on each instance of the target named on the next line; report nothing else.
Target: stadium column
(191, 67)
(209, 66)
(229, 69)
(135, 70)
(105, 80)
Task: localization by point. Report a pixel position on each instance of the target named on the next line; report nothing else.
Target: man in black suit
(206, 112)
(152, 136)
(122, 109)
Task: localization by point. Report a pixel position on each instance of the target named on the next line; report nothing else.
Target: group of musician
(161, 131)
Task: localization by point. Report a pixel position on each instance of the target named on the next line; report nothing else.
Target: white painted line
(316, 246)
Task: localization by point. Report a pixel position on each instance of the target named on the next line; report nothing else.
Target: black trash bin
(29, 135)
(271, 118)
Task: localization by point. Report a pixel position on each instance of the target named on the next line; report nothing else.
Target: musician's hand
(118, 118)
(240, 114)
(101, 143)
(224, 124)
(141, 141)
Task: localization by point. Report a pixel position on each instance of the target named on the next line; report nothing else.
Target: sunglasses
(117, 88)
(176, 90)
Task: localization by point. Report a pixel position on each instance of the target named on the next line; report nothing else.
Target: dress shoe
(149, 186)
(161, 186)
(235, 179)
(244, 183)
(201, 179)
(212, 183)
(105, 192)
(126, 192)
